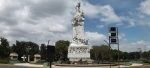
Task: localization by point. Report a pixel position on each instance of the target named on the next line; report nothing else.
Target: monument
(78, 48)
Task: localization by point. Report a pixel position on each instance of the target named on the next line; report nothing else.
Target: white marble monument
(78, 48)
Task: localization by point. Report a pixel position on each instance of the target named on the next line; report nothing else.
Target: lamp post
(109, 52)
(28, 48)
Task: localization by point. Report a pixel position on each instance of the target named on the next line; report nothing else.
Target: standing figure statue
(78, 7)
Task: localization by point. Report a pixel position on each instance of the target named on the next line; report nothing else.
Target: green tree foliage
(4, 48)
(104, 51)
(100, 52)
(61, 50)
(145, 55)
(25, 48)
(43, 52)
(13, 48)
(114, 54)
(125, 56)
(34, 49)
(20, 48)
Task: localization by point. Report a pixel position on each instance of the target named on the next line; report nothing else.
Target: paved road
(12, 66)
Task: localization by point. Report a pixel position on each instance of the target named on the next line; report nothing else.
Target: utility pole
(118, 49)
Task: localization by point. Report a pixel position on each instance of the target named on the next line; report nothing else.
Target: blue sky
(129, 9)
(43, 20)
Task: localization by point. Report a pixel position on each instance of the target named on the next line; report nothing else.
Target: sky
(42, 20)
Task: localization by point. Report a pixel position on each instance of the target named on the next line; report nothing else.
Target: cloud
(109, 15)
(40, 21)
(35, 20)
(134, 46)
(90, 10)
(100, 26)
(46, 8)
(144, 13)
(95, 38)
(43, 20)
(127, 46)
(131, 24)
(144, 7)
(121, 36)
(104, 13)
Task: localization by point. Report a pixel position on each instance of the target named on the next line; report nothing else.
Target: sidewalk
(121, 66)
(28, 65)
(53, 66)
(134, 64)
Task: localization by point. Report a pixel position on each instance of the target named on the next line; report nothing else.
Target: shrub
(4, 61)
(23, 61)
(40, 62)
(145, 61)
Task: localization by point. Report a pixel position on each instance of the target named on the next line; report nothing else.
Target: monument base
(78, 52)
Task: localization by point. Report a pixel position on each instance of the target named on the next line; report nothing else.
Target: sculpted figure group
(78, 26)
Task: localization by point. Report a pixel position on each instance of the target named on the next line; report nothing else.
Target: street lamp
(109, 52)
(28, 48)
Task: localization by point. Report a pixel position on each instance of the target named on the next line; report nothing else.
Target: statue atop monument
(78, 7)
(78, 26)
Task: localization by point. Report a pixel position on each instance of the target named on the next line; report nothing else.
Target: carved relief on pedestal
(78, 50)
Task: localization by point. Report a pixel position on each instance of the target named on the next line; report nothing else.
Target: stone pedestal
(79, 51)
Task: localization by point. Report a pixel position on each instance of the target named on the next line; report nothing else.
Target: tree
(20, 48)
(61, 50)
(4, 48)
(104, 50)
(43, 51)
(100, 52)
(145, 55)
(95, 51)
(26, 48)
(13, 48)
(33, 49)
(134, 55)
(125, 55)
(114, 54)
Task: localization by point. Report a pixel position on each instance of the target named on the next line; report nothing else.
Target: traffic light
(113, 35)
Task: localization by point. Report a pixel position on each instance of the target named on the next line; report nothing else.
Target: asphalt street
(12, 66)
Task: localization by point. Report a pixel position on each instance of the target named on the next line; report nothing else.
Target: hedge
(4, 61)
